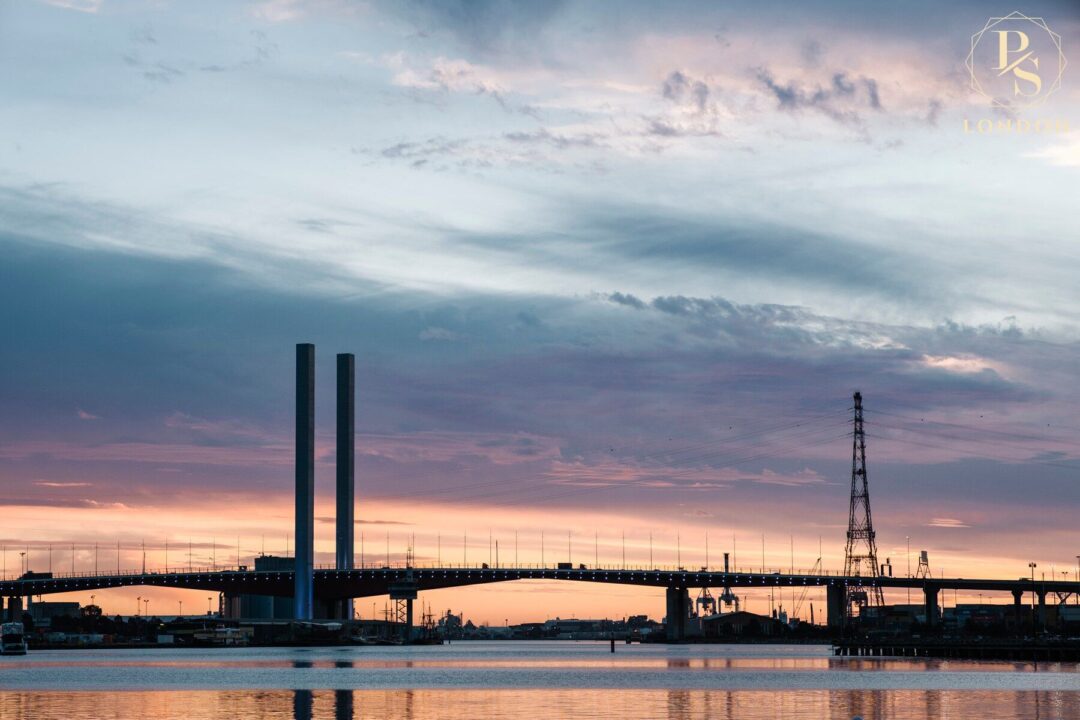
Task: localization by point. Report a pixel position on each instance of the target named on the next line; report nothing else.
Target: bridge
(332, 590)
(335, 585)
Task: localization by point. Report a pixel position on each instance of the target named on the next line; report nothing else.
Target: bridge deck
(338, 584)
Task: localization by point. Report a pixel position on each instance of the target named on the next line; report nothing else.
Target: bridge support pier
(834, 595)
(932, 607)
(1018, 610)
(1042, 610)
(402, 595)
(678, 609)
(14, 609)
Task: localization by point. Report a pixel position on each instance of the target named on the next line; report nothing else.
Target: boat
(12, 639)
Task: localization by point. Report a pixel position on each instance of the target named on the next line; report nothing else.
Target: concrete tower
(346, 463)
(304, 593)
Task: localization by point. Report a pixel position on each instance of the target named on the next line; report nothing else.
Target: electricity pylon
(860, 556)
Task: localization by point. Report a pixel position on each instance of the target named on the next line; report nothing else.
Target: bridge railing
(115, 572)
(429, 565)
(607, 567)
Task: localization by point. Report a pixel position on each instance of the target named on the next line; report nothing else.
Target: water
(527, 680)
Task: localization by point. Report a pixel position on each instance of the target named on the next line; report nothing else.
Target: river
(527, 680)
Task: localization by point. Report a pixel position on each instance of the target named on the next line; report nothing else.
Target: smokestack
(346, 465)
(304, 593)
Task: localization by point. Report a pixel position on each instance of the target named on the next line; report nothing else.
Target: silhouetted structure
(860, 556)
(304, 595)
(346, 464)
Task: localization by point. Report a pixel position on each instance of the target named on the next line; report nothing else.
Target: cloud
(277, 11)
(438, 333)
(944, 522)
(422, 151)
(692, 112)
(454, 75)
(83, 415)
(158, 72)
(544, 136)
(532, 148)
(78, 503)
(86, 6)
(670, 284)
(483, 27)
(841, 100)
(622, 399)
(626, 299)
(933, 112)
(968, 364)
(679, 88)
(147, 452)
(813, 52)
(1065, 153)
(329, 520)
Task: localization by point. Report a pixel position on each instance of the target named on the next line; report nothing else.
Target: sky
(609, 271)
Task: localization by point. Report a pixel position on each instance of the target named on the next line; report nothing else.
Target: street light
(181, 608)
(208, 605)
(138, 604)
(1033, 565)
(908, 538)
(146, 604)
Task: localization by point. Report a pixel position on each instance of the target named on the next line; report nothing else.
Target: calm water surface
(527, 680)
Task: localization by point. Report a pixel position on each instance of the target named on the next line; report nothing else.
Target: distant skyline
(603, 272)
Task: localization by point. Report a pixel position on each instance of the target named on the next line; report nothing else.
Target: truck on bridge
(31, 575)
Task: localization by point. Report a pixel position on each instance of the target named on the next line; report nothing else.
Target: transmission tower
(860, 556)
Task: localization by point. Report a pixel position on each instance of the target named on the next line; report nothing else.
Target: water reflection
(526, 681)
(303, 704)
(343, 705)
(545, 704)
